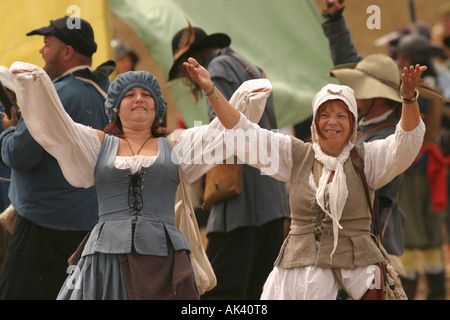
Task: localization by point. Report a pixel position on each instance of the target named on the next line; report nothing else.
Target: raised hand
(410, 110)
(7, 122)
(333, 6)
(410, 79)
(199, 74)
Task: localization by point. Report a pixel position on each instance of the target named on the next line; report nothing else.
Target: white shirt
(76, 147)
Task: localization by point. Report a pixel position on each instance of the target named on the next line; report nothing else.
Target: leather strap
(374, 210)
(383, 125)
(337, 276)
(95, 85)
(359, 167)
(252, 74)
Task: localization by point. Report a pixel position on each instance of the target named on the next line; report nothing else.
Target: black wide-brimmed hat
(190, 39)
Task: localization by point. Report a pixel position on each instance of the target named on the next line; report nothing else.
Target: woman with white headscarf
(330, 218)
(331, 221)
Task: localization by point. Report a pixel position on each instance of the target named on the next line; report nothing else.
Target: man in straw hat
(424, 194)
(376, 82)
(415, 191)
(244, 232)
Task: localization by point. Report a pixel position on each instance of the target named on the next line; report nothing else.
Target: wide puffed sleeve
(201, 148)
(384, 159)
(74, 145)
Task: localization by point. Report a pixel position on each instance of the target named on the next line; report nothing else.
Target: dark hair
(350, 115)
(202, 56)
(115, 129)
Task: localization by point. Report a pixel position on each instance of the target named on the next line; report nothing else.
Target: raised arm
(241, 113)
(386, 158)
(226, 113)
(74, 145)
(342, 49)
(410, 117)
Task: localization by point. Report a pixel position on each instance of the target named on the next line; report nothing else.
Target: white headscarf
(338, 191)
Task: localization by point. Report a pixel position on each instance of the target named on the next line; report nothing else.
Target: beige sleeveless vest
(355, 248)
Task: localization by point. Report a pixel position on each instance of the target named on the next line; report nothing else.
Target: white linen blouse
(76, 147)
(383, 160)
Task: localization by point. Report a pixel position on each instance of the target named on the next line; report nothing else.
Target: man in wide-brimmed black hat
(244, 232)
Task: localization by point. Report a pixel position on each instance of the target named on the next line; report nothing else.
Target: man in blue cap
(53, 217)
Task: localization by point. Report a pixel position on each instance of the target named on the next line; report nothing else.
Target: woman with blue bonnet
(135, 251)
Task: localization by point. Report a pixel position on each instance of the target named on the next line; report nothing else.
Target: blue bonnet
(131, 79)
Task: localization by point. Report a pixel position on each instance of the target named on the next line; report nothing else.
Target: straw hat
(376, 76)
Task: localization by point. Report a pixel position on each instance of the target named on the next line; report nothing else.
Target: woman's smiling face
(335, 126)
(137, 105)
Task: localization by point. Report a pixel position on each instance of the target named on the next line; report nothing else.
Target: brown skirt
(159, 278)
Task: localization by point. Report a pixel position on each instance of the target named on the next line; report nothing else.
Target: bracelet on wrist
(412, 100)
(211, 92)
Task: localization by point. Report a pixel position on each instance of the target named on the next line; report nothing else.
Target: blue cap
(81, 37)
(129, 80)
